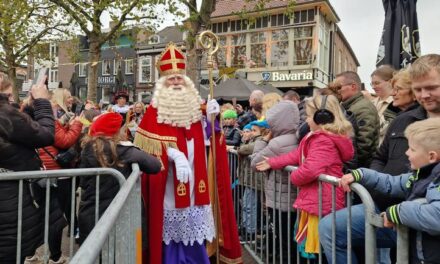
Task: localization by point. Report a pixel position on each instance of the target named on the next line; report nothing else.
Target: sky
(362, 24)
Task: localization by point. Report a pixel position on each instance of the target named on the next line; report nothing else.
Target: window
(239, 25)
(258, 50)
(260, 22)
(238, 50)
(117, 66)
(279, 20)
(53, 50)
(220, 57)
(105, 93)
(53, 75)
(154, 39)
(324, 38)
(304, 16)
(129, 66)
(145, 69)
(302, 45)
(279, 48)
(82, 70)
(220, 27)
(105, 67)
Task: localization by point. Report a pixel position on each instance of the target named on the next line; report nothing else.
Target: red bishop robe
(154, 138)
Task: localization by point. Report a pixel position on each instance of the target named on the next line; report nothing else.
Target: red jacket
(318, 153)
(65, 137)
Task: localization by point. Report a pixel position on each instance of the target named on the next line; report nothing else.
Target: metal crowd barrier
(117, 237)
(24, 176)
(265, 243)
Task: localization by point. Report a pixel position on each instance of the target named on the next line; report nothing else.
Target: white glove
(183, 169)
(212, 107)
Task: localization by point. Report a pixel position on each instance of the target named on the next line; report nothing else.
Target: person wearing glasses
(367, 118)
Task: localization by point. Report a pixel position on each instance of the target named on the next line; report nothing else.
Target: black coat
(17, 153)
(390, 157)
(108, 185)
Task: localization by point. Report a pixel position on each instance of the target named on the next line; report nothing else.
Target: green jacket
(367, 134)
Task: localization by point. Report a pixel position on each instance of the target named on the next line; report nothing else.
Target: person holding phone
(67, 132)
(20, 135)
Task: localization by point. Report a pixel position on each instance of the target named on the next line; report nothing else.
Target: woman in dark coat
(104, 147)
(19, 137)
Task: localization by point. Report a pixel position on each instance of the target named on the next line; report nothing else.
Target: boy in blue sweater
(424, 182)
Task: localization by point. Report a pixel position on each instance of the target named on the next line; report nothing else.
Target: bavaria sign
(292, 76)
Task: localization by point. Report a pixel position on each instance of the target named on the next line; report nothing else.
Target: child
(232, 134)
(424, 182)
(250, 204)
(322, 151)
(104, 147)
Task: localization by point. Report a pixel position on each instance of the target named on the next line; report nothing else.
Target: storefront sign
(106, 79)
(285, 76)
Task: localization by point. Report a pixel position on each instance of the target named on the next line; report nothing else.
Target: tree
(23, 25)
(87, 14)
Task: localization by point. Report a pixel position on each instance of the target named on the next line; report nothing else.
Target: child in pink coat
(322, 151)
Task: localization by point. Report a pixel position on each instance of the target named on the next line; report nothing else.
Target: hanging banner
(400, 44)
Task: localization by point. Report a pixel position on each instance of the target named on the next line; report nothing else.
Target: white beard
(177, 107)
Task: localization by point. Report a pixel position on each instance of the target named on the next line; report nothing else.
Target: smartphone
(79, 108)
(42, 77)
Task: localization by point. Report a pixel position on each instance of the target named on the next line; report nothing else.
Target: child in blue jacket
(421, 217)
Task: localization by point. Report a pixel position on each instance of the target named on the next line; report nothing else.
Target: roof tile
(227, 7)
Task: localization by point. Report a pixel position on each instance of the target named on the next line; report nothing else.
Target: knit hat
(106, 125)
(247, 127)
(262, 123)
(229, 114)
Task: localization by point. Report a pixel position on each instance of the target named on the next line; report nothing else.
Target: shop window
(279, 48)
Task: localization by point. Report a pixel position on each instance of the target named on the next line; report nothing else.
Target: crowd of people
(388, 143)
(53, 130)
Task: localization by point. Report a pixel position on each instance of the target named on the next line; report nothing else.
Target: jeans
(251, 210)
(385, 237)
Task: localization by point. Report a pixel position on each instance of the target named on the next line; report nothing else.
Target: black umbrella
(237, 88)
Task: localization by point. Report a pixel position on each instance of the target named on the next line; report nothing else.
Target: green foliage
(24, 24)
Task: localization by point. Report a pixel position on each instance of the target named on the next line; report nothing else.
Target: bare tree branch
(81, 22)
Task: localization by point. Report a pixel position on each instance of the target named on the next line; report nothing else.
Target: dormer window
(155, 39)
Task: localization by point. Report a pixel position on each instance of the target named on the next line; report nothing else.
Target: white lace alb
(188, 225)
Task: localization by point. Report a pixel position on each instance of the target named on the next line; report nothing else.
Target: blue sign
(266, 76)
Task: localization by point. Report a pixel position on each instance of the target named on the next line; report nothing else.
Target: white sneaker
(33, 260)
(61, 260)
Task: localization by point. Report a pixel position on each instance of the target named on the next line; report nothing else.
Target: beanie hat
(229, 114)
(262, 123)
(106, 125)
(247, 127)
